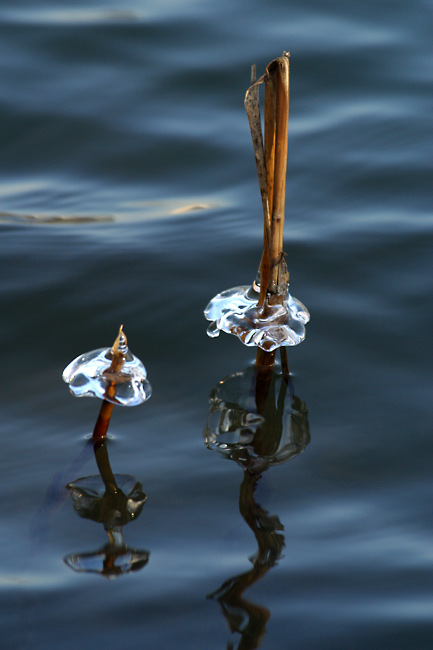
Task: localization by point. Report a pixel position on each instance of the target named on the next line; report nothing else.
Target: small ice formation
(281, 322)
(112, 374)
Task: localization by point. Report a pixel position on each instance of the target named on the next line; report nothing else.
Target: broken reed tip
(115, 346)
(118, 351)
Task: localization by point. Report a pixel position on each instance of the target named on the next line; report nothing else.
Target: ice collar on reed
(112, 374)
(279, 322)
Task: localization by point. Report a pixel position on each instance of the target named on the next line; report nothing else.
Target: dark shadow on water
(256, 420)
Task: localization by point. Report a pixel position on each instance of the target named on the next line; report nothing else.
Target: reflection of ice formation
(235, 311)
(256, 435)
(113, 502)
(112, 560)
(90, 374)
(112, 507)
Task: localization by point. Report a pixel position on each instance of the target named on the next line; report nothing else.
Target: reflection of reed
(112, 500)
(244, 617)
(256, 420)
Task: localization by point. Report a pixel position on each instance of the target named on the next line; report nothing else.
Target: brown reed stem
(265, 360)
(276, 144)
(284, 363)
(271, 162)
(103, 421)
(264, 368)
(104, 417)
(252, 106)
(118, 359)
(103, 463)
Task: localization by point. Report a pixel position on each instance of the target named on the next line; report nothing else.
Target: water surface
(128, 194)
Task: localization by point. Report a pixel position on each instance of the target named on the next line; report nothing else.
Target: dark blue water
(128, 194)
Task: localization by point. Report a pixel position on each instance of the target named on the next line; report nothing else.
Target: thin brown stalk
(276, 142)
(103, 462)
(252, 106)
(284, 364)
(271, 162)
(103, 421)
(264, 368)
(270, 133)
(117, 361)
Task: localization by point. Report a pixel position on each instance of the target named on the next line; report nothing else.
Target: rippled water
(128, 194)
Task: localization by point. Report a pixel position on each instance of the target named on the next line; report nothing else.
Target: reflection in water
(112, 500)
(244, 617)
(256, 420)
(53, 218)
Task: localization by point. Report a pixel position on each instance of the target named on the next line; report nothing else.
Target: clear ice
(234, 311)
(89, 375)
